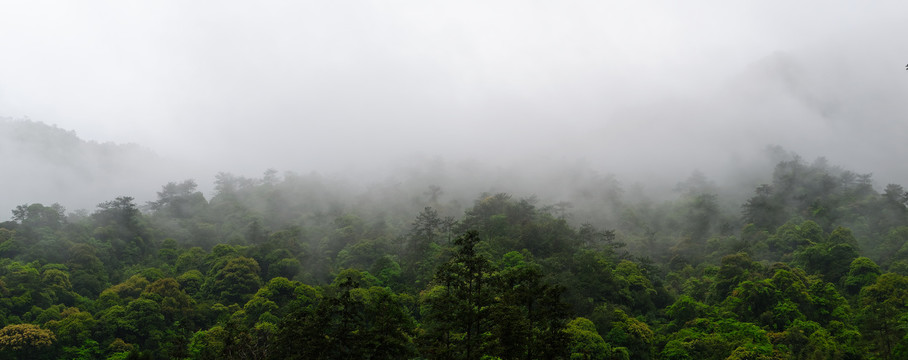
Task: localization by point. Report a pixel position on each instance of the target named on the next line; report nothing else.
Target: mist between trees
(811, 264)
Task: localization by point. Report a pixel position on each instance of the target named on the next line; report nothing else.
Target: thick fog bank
(645, 90)
(470, 97)
(47, 164)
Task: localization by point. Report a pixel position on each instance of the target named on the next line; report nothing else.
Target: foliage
(284, 267)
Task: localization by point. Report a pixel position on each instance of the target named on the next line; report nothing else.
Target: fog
(524, 90)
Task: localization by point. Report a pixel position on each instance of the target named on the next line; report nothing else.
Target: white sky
(301, 85)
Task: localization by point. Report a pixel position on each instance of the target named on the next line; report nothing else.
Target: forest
(812, 264)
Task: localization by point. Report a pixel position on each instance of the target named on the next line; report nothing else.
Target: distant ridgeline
(44, 163)
(812, 265)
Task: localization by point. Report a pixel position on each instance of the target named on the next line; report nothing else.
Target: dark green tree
(883, 309)
(456, 312)
(235, 281)
(120, 224)
(179, 200)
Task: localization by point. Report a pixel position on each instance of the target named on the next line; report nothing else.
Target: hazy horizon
(642, 91)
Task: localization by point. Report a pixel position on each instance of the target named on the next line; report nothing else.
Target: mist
(510, 96)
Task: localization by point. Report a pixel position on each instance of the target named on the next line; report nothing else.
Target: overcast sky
(332, 85)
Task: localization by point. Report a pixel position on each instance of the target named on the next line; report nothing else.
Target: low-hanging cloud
(625, 87)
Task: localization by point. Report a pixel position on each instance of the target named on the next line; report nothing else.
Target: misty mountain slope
(47, 164)
(809, 102)
(817, 103)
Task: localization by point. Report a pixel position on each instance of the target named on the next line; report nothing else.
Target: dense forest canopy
(811, 264)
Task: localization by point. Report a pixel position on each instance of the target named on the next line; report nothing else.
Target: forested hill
(813, 265)
(49, 164)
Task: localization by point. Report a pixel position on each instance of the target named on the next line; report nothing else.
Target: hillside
(813, 264)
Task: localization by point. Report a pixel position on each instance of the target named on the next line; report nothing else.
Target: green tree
(830, 258)
(635, 289)
(349, 322)
(884, 305)
(179, 200)
(625, 331)
(40, 232)
(765, 209)
(456, 312)
(175, 304)
(527, 315)
(88, 275)
(208, 344)
(120, 224)
(235, 282)
(389, 328)
(587, 344)
(123, 293)
(74, 328)
(279, 291)
(113, 323)
(862, 272)
(793, 236)
(717, 339)
(733, 269)
(57, 287)
(146, 322)
(590, 281)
